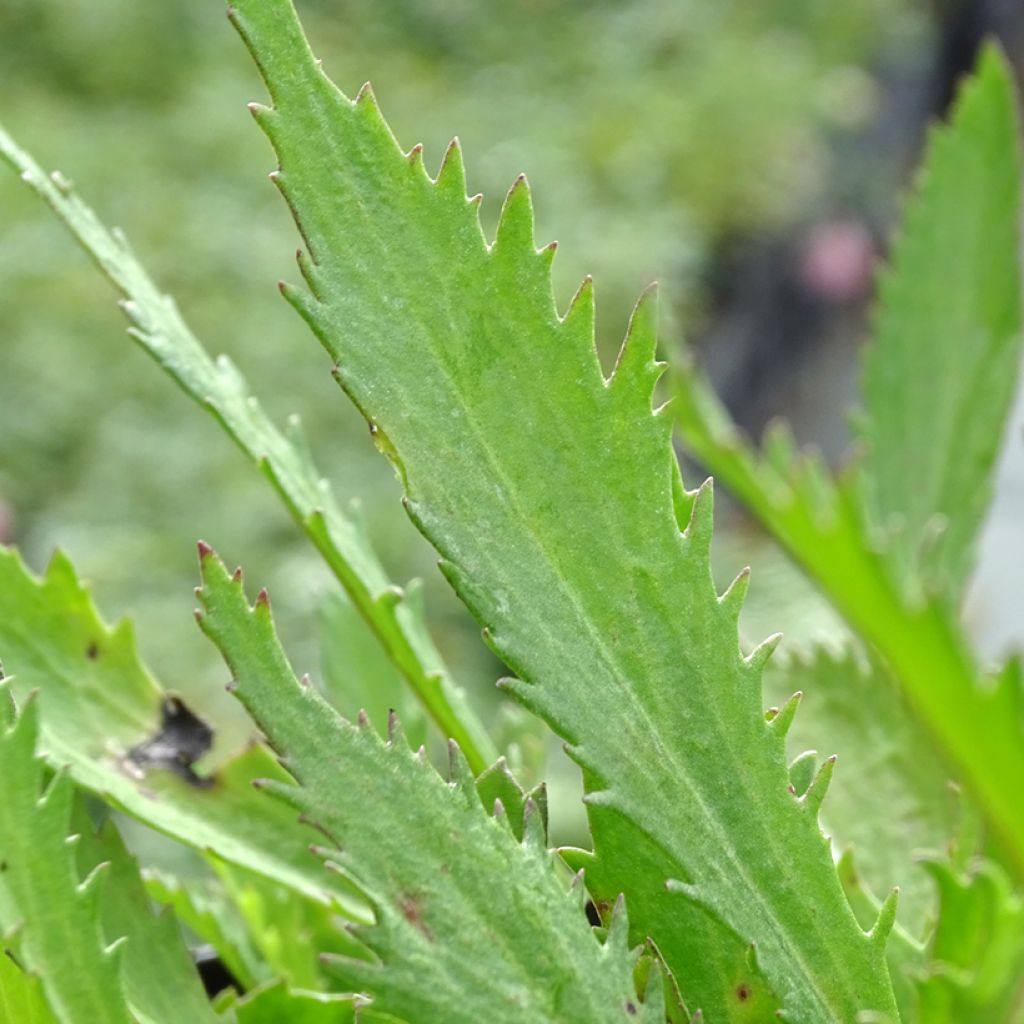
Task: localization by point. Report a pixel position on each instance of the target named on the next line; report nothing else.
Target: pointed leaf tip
(515, 226)
(781, 721)
(758, 657)
(815, 795)
(702, 515)
(886, 919)
(736, 593)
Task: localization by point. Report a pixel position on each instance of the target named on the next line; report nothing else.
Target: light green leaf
(976, 974)
(53, 915)
(552, 495)
(160, 980)
(471, 924)
(289, 931)
(21, 997)
(277, 1004)
(357, 675)
(943, 367)
(821, 523)
(97, 703)
(890, 798)
(285, 458)
(203, 906)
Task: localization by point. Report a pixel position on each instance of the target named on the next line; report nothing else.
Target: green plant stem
(285, 458)
(821, 525)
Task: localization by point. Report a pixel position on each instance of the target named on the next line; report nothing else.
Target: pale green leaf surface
(285, 458)
(471, 924)
(97, 702)
(52, 913)
(942, 369)
(820, 522)
(21, 997)
(552, 495)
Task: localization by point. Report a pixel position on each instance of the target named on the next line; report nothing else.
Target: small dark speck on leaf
(183, 738)
(92, 652)
(631, 1009)
(743, 993)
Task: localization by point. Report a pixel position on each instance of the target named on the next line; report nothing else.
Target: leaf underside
(552, 495)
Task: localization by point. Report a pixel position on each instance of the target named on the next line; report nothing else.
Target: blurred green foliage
(653, 132)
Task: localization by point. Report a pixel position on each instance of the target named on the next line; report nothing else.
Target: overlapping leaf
(552, 495)
(97, 703)
(890, 799)
(471, 924)
(824, 524)
(285, 458)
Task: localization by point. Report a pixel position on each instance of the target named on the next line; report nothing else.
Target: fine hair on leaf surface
(557, 519)
(736, 871)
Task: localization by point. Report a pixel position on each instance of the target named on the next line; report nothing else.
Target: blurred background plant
(749, 155)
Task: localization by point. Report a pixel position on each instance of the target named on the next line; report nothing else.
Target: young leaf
(942, 369)
(551, 494)
(285, 458)
(97, 704)
(471, 924)
(48, 914)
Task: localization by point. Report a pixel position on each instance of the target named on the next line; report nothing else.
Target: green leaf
(821, 523)
(977, 953)
(890, 799)
(941, 372)
(204, 907)
(284, 457)
(160, 980)
(357, 675)
(471, 924)
(276, 1004)
(97, 703)
(52, 914)
(289, 931)
(21, 997)
(552, 495)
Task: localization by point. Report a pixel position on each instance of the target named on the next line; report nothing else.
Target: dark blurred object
(964, 25)
(791, 309)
